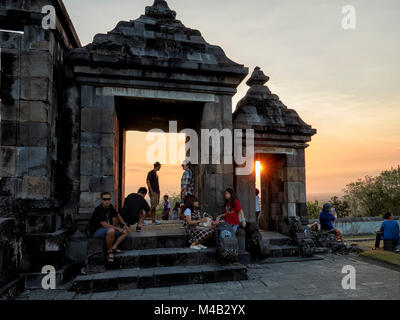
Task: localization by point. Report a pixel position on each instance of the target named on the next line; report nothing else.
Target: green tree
(342, 207)
(372, 196)
(313, 209)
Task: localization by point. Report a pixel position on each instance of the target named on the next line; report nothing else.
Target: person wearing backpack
(104, 225)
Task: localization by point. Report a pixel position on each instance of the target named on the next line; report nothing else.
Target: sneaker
(195, 247)
(156, 223)
(138, 229)
(201, 246)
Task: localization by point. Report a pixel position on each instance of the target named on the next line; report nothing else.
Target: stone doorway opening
(272, 190)
(143, 115)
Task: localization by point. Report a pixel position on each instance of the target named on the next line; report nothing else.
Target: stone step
(151, 239)
(160, 257)
(283, 251)
(158, 277)
(275, 238)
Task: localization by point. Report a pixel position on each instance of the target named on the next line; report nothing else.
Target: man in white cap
(187, 185)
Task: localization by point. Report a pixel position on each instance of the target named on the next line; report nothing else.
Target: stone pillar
(295, 186)
(272, 191)
(97, 148)
(246, 193)
(213, 179)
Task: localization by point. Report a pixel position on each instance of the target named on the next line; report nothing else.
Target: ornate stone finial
(160, 9)
(257, 78)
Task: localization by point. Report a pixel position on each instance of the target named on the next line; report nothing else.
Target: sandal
(118, 251)
(110, 256)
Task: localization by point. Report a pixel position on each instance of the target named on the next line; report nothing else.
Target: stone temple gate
(65, 110)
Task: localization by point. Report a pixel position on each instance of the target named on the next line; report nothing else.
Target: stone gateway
(65, 110)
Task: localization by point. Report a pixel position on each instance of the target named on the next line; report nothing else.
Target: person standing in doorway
(166, 208)
(187, 186)
(154, 191)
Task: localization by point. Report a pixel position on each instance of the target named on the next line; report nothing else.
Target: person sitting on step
(104, 225)
(234, 214)
(192, 219)
(326, 219)
(389, 231)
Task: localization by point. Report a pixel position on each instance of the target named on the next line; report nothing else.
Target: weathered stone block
(11, 186)
(8, 133)
(9, 111)
(297, 159)
(34, 89)
(296, 192)
(89, 98)
(33, 134)
(8, 161)
(107, 140)
(97, 120)
(35, 188)
(107, 157)
(35, 63)
(295, 174)
(38, 223)
(32, 161)
(84, 184)
(101, 184)
(34, 111)
(86, 200)
(89, 139)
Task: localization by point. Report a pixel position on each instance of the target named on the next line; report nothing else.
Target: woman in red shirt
(233, 210)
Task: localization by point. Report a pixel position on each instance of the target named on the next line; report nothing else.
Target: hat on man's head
(327, 207)
(185, 162)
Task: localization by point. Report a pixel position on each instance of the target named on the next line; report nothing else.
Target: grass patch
(380, 255)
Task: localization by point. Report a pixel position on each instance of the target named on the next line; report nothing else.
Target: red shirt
(232, 212)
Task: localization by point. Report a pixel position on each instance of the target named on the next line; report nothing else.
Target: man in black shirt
(154, 191)
(134, 205)
(104, 225)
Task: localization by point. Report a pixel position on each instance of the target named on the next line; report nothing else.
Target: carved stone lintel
(160, 9)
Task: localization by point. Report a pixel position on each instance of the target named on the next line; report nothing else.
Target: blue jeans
(101, 233)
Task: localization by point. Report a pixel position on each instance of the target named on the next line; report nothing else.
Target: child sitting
(166, 208)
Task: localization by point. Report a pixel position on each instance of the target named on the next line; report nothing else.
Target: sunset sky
(345, 83)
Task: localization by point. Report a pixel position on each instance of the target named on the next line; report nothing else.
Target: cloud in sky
(344, 83)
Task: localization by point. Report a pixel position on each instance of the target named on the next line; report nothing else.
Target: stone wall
(10, 250)
(357, 226)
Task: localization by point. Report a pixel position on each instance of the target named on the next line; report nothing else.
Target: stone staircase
(279, 244)
(156, 257)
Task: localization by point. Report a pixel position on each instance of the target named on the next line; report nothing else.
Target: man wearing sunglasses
(104, 224)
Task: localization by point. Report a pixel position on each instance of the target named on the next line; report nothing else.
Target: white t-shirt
(257, 204)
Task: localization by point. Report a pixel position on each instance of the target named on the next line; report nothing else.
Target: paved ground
(311, 280)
